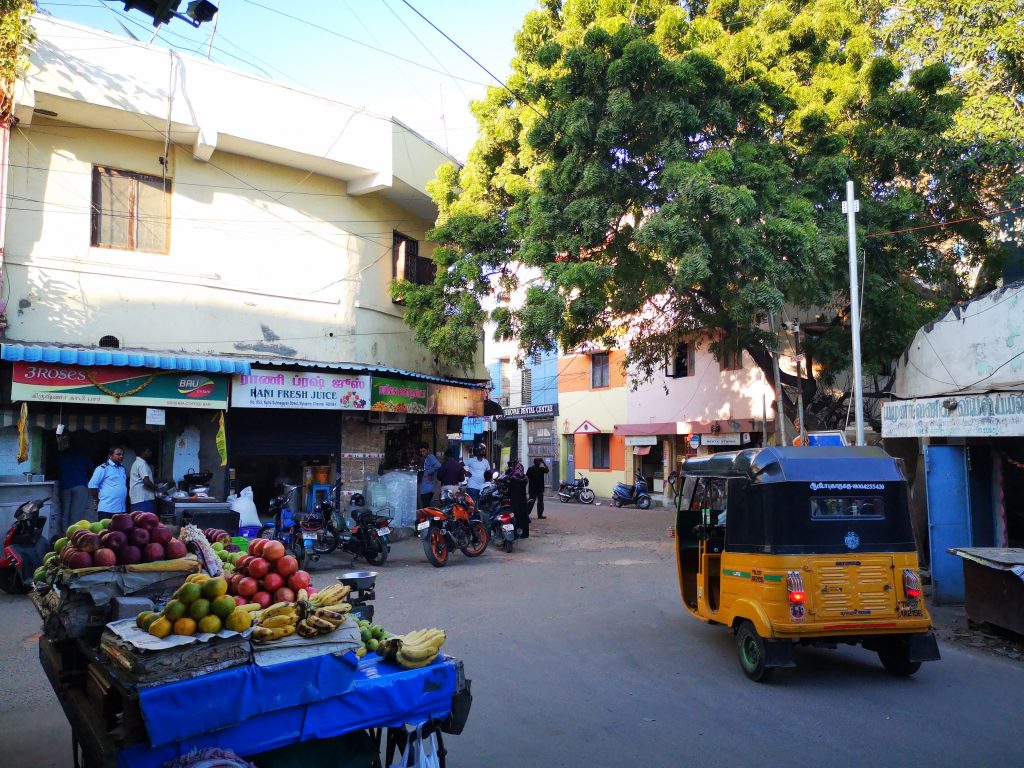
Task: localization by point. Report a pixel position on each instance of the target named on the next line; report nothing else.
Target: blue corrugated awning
(128, 358)
(367, 368)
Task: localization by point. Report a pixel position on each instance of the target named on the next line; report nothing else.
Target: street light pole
(850, 207)
(799, 382)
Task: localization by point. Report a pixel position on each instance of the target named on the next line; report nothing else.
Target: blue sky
(430, 90)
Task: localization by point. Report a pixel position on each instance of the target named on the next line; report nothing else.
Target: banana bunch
(414, 650)
(278, 621)
(333, 595)
(320, 621)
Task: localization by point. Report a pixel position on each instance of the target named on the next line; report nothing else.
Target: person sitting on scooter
(450, 474)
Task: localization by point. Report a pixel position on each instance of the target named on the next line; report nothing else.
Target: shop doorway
(1012, 459)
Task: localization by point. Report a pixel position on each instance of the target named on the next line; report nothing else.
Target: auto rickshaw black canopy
(805, 499)
(800, 464)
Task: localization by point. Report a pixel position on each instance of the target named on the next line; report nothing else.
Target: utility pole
(850, 208)
(799, 382)
(780, 411)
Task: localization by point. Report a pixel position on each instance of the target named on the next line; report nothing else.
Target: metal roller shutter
(256, 432)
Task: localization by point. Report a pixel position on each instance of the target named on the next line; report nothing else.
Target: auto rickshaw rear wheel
(751, 650)
(895, 657)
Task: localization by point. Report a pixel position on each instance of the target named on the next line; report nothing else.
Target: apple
(88, 542)
(79, 560)
(175, 549)
(139, 537)
(161, 534)
(298, 580)
(104, 557)
(129, 554)
(152, 552)
(121, 522)
(113, 539)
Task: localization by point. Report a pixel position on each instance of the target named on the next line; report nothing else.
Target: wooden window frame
(606, 457)
(409, 265)
(731, 360)
(594, 370)
(684, 350)
(98, 172)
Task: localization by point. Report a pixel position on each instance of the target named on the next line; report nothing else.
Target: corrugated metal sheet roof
(366, 368)
(129, 358)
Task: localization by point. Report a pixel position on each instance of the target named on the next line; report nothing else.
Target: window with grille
(682, 363)
(600, 451)
(406, 262)
(527, 382)
(130, 211)
(599, 370)
(731, 359)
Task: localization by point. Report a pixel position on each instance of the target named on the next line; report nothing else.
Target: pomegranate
(263, 599)
(273, 550)
(286, 566)
(258, 567)
(298, 580)
(256, 547)
(273, 582)
(247, 587)
(239, 600)
(284, 595)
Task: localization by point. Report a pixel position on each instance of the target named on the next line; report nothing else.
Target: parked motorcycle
(495, 508)
(285, 526)
(625, 494)
(325, 530)
(576, 489)
(24, 548)
(454, 524)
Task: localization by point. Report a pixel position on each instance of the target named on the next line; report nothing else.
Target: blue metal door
(949, 518)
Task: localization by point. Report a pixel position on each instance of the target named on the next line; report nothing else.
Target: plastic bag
(246, 508)
(425, 750)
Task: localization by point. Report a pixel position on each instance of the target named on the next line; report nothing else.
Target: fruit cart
(307, 673)
(249, 709)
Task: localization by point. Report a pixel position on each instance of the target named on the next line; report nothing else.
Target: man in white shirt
(141, 488)
(475, 466)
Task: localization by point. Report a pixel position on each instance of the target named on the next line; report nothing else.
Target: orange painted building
(591, 401)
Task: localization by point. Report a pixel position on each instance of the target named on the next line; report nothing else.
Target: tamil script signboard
(398, 396)
(103, 385)
(300, 389)
(999, 414)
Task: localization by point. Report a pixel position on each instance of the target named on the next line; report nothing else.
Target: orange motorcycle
(454, 524)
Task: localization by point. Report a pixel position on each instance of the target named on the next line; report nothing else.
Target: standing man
(141, 488)
(430, 467)
(109, 484)
(535, 476)
(476, 467)
(75, 468)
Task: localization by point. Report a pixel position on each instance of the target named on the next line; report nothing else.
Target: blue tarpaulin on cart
(378, 695)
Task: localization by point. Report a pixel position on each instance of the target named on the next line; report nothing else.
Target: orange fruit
(210, 624)
(185, 626)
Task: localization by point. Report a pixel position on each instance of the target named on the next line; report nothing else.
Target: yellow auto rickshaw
(809, 546)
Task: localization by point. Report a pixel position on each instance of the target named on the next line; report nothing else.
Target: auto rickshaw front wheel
(895, 657)
(751, 650)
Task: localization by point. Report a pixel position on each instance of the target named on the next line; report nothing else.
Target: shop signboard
(51, 383)
(399, 396)
(635, 440)
(999, 414)
(307, 390)
(449, 400)
(547, 411)
(722, 438)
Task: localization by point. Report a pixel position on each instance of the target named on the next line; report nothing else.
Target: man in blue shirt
(109, 484)
(430, 467)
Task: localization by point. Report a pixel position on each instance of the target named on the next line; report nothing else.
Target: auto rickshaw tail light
(912, 584)
(795, 586)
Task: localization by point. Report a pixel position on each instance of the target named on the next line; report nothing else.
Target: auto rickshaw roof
(800, 464)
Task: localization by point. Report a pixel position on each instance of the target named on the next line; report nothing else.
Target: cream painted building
(190, 217)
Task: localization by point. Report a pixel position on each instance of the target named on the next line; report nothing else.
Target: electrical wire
(979, 217)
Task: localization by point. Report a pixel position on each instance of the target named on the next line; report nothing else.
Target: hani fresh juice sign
(398, 396)
(42, 382)
(300, 389)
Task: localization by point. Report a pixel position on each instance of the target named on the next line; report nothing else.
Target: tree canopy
(15, 31)
(673, 168)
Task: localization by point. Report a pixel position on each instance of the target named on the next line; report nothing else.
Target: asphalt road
(581, 654)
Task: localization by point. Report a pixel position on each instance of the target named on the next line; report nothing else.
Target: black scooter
(495, 509)
(24, 548)
(628, 495)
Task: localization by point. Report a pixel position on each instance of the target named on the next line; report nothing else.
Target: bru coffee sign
(42, 382)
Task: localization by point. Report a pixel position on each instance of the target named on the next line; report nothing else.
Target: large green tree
(667, 169)
(15, 32)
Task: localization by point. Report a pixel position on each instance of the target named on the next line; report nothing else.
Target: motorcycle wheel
(297, 549)
(478, 540)
(587, 496)
(508, 545)
(644, 502)
(618, 503)
(10, 582)
(436, 548)
(564, 497)
(326, 541)
(380, 552)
